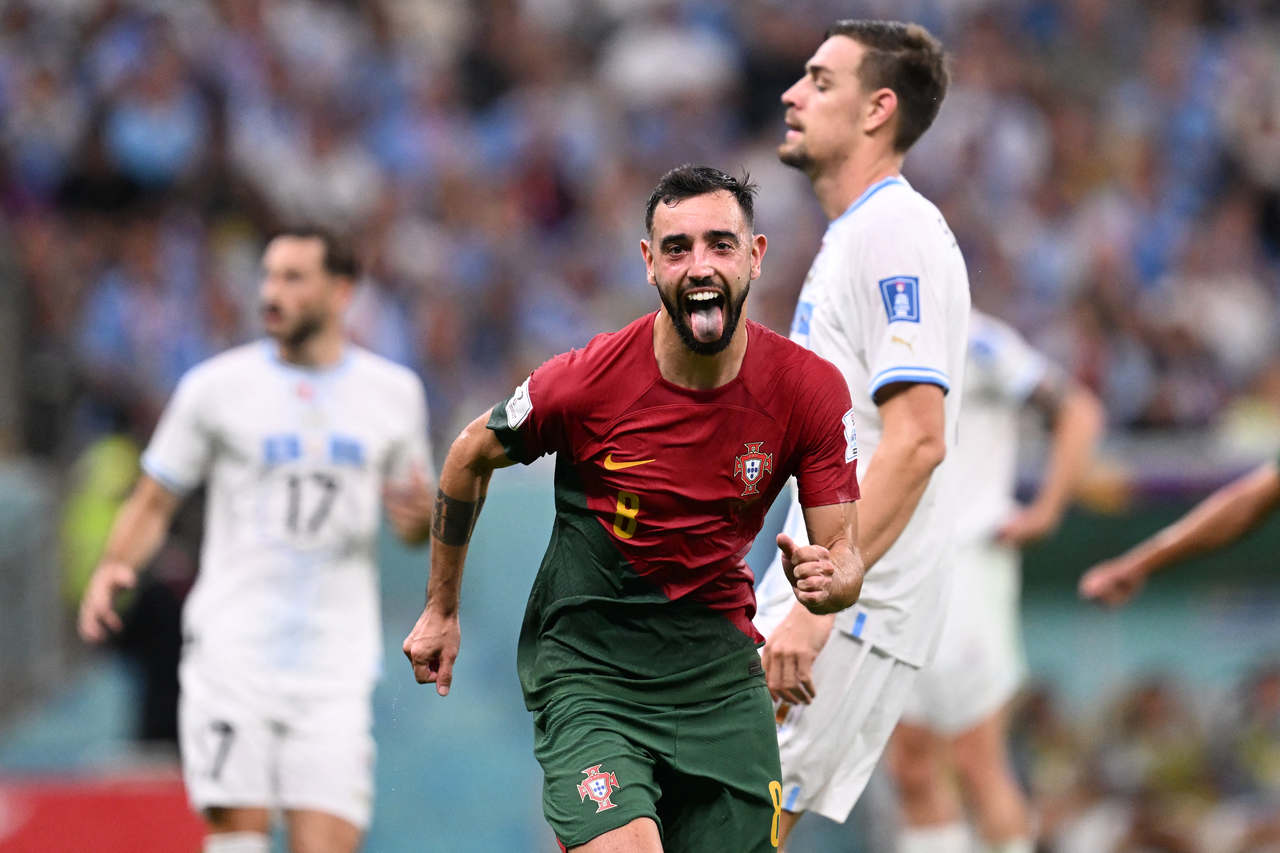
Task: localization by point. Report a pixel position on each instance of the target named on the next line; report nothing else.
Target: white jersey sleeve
(181, 448)
(899, 295)
(412, 450)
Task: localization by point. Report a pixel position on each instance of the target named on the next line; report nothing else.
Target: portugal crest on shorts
(598, 786)
(752, 466)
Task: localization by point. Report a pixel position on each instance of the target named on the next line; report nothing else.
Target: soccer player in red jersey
(672, 437)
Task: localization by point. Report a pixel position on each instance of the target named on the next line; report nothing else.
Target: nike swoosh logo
(610, 465)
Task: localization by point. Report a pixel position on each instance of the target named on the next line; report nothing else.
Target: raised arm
(432, 645)
(1077, 420)
(1218, 520)
(827, 574)
(912, 445)
(136, 535)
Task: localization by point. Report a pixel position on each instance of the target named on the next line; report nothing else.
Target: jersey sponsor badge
(599, 786)
(519, 406)
(850, 437)
(752, 466)
(901, 294)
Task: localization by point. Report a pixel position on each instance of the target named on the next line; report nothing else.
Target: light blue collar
(870, 191)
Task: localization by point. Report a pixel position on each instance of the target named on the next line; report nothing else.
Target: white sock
(237, 842)
(943, 838)
(1016, 845)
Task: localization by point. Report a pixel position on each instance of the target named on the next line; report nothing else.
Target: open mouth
(706, 314)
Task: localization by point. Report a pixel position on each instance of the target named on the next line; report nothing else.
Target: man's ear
(882, 107)
(759, 243)
(647, 252)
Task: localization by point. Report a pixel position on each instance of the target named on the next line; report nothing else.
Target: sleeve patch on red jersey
(519, 406)
(850, 437)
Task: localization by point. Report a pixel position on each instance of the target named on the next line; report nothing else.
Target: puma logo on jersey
(906, 343)
(610, 465)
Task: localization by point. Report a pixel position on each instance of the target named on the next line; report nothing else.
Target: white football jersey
(887, 300)
(1000, 375)
(295, 460)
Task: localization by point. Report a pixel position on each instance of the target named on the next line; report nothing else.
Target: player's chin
(794, 155)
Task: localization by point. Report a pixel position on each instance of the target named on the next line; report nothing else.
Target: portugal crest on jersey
(752, 466)
(599, 786)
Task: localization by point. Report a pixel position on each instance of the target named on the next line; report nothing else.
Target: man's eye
(675, 250)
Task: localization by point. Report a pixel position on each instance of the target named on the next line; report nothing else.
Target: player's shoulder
(608, 353)
(889, 209)
(365, 366)
(790, 365)
(990, 337)
(230, 365)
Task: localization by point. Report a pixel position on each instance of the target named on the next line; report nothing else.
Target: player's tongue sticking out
(706, 315)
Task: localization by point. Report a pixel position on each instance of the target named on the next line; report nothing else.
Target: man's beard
(307, 327)
(732, 311)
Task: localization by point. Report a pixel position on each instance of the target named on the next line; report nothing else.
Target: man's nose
(790, 97)
(701, 267)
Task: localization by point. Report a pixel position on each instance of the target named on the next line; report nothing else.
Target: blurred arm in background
(136, 535)
(408, 507)
(1218, 520)
(1077, 421)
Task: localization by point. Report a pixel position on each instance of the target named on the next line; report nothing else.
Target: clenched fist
(821, 584)
(432, 647)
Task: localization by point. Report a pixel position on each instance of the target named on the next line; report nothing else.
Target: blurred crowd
(1111, 168)
(1157, 772)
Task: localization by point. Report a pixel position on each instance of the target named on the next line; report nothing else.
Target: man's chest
(686, 459)
(296, 424)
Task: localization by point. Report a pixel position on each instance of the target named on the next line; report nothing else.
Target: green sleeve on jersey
(512, 440)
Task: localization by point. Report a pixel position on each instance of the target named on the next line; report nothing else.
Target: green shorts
(707, 773)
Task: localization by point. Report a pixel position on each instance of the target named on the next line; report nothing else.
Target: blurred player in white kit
(887, 301)
(300, 438)
(956, 717)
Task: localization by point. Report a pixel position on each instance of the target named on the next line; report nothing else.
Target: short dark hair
(907, 59)
(339, 257)
(688, 181)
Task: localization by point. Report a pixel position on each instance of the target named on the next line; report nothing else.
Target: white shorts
(979, 664)
(830, 746)
(253, 745)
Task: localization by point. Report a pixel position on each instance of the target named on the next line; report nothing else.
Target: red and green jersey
(660, 490)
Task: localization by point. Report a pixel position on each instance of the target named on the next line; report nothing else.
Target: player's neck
(319, 351)
(842, 186)
(681, 366)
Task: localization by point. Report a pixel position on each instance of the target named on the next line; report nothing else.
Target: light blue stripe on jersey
(859, 622)
(927, 375)
(869, 192)
(790, 804)
(163, 477)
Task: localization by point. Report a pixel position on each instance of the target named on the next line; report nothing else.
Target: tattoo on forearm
(454, 519)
